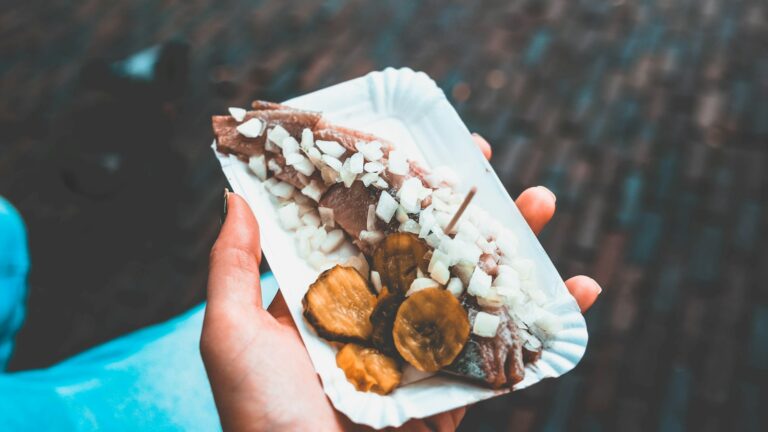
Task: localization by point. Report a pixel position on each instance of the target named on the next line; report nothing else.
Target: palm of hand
(260, 372)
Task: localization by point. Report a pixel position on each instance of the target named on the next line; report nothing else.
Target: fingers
(233, 277)
(537, 204)
(484, 146)
(584, 289)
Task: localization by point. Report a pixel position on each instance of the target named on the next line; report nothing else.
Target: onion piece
(252, 128)
(455, 286)
(237, 113)
(373, 167)
(410, 226)
(371, 237)
(289, 216)
(313, 190)
(401, 215)
(332, 241)
(371, 150)
(376, 281)
(277, 134)
(311, 219)
(440, 273)
(479, 283)
(420, 284)
(397, 163)
(326, 216)
(283, 190)
(258, 164)
(307, 140)
(356, 163)
(486, 324)
(386, 207)
(331, 148)
(289, 145)
(332, 162)
(369, 178)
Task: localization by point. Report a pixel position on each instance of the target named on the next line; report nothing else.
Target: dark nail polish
(223, 216)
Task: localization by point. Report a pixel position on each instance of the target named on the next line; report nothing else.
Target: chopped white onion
(381, 183)
(332, 241)
(479, 283)
(356, 163)
(277, 134)
(332, 162)
(303, 165)
(386, 207)
(313, 190)
(371, 237)
(507, 244)
(409, 195)
(401, 215)
(420, 284)
(289, 216)
(331, 148)
(455, 286)
(251, 128)
(370, 220)
(369, 179)
(317, 238)
(237, 113)
(283, 190)
(307, 140)
(438, 256)
(397, 163)
(371, 151)
(426, 221)
(373, 167)
(289, 145)
(274, 166)
(410, 226)
(376, 280)
(346, 175)
(440, 273)
(326, 216)
(486, 324)
(311, 219)
(258, 164)
(315, 156)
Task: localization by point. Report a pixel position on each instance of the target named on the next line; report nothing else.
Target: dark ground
(649, 119)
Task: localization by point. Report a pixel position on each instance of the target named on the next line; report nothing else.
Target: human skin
(260, 373)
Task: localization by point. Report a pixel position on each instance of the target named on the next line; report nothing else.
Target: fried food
(383, 320)
(368, 369)
(397, 258)
(431, 328)
(339, 305)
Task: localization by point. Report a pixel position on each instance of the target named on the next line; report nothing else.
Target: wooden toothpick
(460, 211)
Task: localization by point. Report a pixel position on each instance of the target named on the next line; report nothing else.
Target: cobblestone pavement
(647, 118)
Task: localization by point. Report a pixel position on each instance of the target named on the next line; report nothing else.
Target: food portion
(368, 369)
(339, 305)
(438, 284)
(430, 329)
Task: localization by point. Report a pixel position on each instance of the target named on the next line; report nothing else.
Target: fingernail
(223, 215)
(475, 134)
(554, 198)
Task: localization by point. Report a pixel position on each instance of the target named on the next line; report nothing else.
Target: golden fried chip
(339, 305)
(396, 259)
(368, 369)
(430, 329)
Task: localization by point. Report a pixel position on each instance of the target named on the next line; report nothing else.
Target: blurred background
(648, 119)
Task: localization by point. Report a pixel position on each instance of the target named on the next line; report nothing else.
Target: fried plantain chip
(339, 305)
(383, 320)
(368, 369)
(396, 259)
(431, 328)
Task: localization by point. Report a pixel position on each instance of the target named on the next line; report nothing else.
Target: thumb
(233, 277)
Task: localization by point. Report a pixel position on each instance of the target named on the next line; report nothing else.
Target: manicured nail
(554, 198)
(223, 215)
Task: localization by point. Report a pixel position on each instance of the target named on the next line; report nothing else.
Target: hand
(260, 372)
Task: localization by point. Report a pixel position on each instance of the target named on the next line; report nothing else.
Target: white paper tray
(406, 108)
